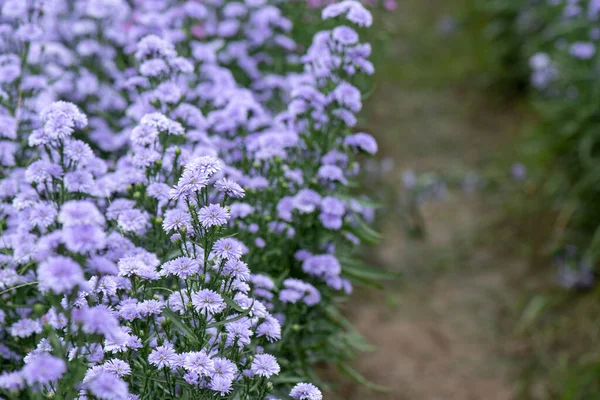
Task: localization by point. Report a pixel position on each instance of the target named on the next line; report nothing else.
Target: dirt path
(436, 333)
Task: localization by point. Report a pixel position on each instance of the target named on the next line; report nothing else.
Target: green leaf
(231, 303)
(365, 273)
(288, 379)
(354, 374)
(176, 320)
(363, 202)
(364, 232)
(237, 317)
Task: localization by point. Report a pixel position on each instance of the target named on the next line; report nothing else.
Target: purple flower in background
(322, 265)
(134, 220)
(230, 188)
(11, 380)
(332, 205)
(107, 386)
(331, 173)
(354, 11)
(80, 212)
(582, 50)
(25, 327)
(100, 319)
(59, 274)
(345, 35)
(518, 171)
(362, 141)
(61, 119)
(43, 369)
(306, 201)
(348, 96)
(154, 46)
(83, 238)
(43, 215)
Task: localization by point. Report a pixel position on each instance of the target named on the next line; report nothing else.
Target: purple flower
(208, 301)
(265, 365)
(42, 171)
(107, 386)
(80, 212)
(582, 50)
(43, 215)
(227, 248)
(154, 67)
(331, 221)
(237, 269)
(322, 265)
(134, 220)
(43, 369)
(270, 329)
(213, 215)
(118, 367)
(223, 369)
(198, 362)
(345, 35)
(331, 173)
(230, 188)
(79, 181)
(306, 391)
(61, 119)
(59, 274)
(362, 141)
(25, 327)
(221, 385)
(162, 356)
(348, 96)
(154, 46)
(78, 152)
(11, 380)
(83, 238)
(332, 205)
(151, 308)
(100, 319)
(118, 206)
(181, 267)
(193, 180)
(306, 201)
(354, 11)
(177, 219)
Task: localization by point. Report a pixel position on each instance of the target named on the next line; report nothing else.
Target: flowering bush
(177, 179)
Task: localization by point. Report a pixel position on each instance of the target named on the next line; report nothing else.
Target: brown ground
(437, 332)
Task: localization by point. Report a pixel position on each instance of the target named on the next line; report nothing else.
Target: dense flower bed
(177, 186)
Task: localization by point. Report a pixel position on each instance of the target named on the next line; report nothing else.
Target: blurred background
(487, 114)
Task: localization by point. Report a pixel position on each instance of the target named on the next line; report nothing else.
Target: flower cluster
(176, 196)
